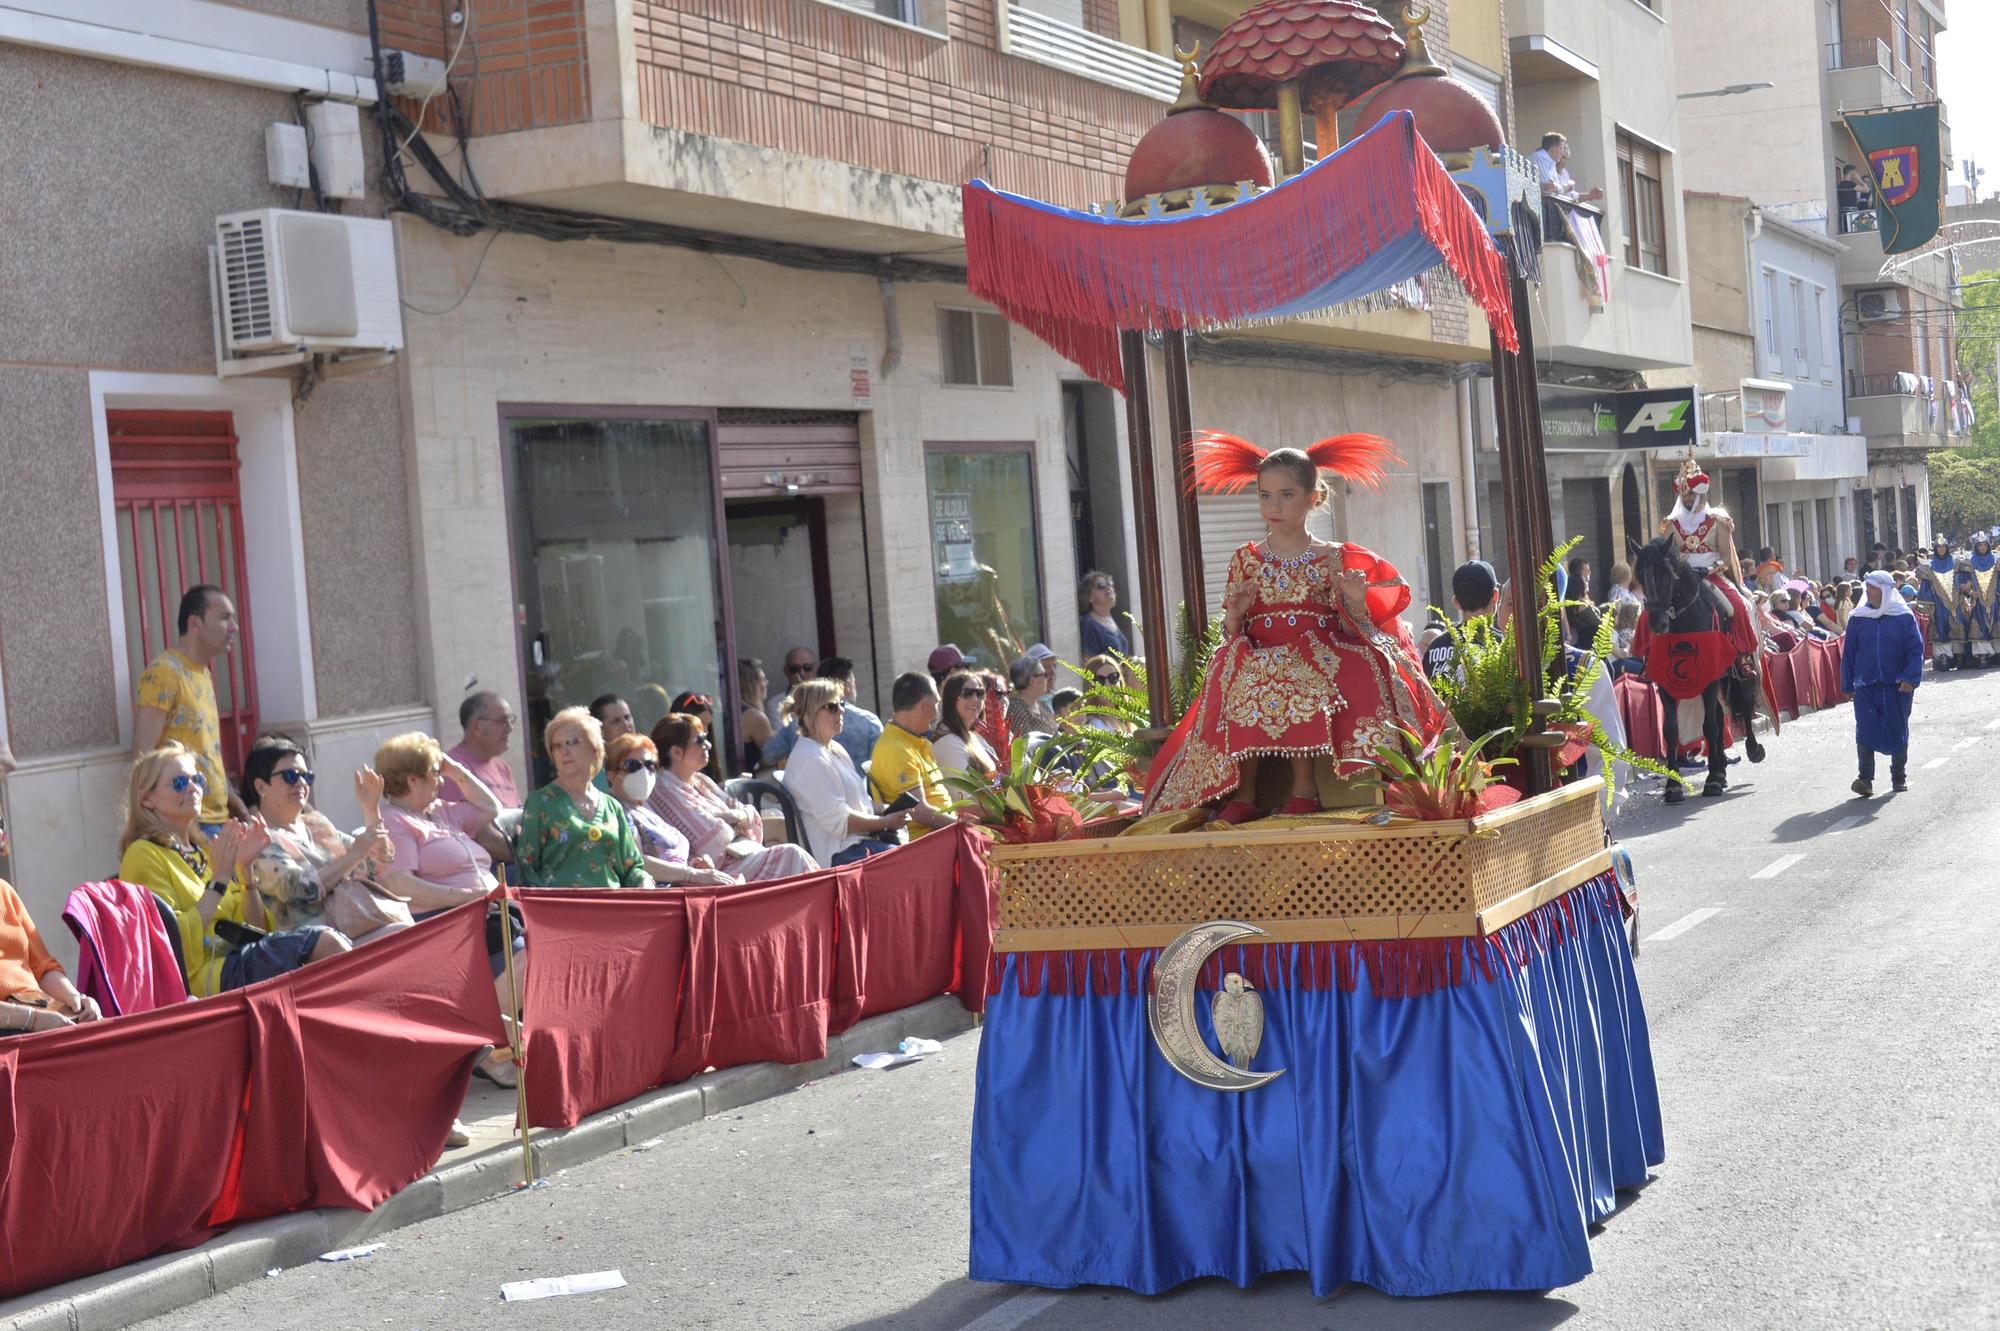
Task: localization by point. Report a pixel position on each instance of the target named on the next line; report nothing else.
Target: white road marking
(1683, 924)
(1843, 825)
(1967, 742)
(1777, 866)
(1013, 1312)
(1994, 724)
(1936, 763)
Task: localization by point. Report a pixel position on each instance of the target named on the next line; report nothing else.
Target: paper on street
(349, 1254)
(877, 1062)
(551, 1287)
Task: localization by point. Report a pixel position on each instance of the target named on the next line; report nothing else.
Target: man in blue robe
(1937, 584)
(1985, 597)
(1881, 664)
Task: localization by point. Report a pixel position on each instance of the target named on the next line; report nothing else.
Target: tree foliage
(1965, 491)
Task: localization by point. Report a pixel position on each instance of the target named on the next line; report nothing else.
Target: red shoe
(1238, 811)
(1299, 805)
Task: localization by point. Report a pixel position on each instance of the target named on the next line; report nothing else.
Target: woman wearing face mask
(634, 767)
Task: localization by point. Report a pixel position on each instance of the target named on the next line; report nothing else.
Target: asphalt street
(1820, 976)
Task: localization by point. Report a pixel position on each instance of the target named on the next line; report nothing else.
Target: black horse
(1680, 600)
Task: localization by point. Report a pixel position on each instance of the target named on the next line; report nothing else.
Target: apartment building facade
(1601, 73)
(1896, 324)
(135, 469)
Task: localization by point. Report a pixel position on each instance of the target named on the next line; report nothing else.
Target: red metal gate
(179, 516)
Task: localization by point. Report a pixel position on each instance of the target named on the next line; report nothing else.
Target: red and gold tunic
(1302, 678)
(1698, 539)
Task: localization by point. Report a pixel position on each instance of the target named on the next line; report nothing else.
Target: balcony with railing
(1894, 411)
(1644, 323)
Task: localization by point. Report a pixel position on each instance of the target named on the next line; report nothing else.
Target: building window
(1820, 336)
(918, 13)
(179, 519)
(1640, 172)
(975, 348)
(985, 562)
(1801, 334)
(1770, 319)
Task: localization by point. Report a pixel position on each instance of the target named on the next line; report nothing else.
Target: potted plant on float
(1487, 696)
(1123, 747)
(1033, 796)
(1440, 777)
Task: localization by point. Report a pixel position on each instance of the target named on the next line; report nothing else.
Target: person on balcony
(1558, 186)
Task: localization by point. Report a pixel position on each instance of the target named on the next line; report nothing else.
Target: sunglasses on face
(972, 693)
(641, 765)
(799, 669)
(296, 776)
(183, 780)
(837, 708)
(1106, 679)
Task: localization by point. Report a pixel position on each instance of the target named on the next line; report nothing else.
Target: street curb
(168, 1282)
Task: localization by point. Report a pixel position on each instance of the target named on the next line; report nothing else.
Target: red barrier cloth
(1781, 683)
(899, 926)
(603, 997)
(975, 917)
(332, 1086)
(1639, 709)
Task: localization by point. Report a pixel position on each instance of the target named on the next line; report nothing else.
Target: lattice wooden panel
(1297, 874)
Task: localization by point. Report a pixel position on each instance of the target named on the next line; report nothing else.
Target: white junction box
(407, 74)
(285, 155)
(334, 130)
(291, 281)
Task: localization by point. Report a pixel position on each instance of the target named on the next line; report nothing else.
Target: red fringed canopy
(1380, 211)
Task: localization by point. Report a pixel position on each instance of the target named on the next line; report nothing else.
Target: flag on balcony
(1378, 212)
(1905, 154)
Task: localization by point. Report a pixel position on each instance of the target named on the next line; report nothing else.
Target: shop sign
(1766, 406)
(951, 534)
(1658, 417)
(1578, 418)
(860, 377)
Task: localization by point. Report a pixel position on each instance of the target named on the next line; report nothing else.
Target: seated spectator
(859, 727)
(488, 725)
(1624, 624)
(35, 994)
(800, 664)
(993, 719)
(1785, 610)
(841, 822)
(202, 880)
(1034, 678)
(1064, 701)
(904, 760)
(1767, 573)
(1101, 633)
(701, 708)
(437, 862)
(310, 874)
(726, 831)
(942, 661)
(614, 718)
(959, 747)
(571, 834)
(753, 724)
(1621, 584)
(634, 765)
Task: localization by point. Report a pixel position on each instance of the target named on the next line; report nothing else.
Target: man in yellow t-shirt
(903, 759)
(175, 700)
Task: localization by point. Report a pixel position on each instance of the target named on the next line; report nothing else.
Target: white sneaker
(459, 1135)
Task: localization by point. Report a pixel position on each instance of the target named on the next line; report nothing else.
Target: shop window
(1640, 172)
(975, 348)
(984, 549)
(178, 514)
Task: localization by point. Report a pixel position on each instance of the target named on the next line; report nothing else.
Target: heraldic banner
(1906, 160)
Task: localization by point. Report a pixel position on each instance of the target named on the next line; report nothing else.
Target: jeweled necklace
(1303, 557)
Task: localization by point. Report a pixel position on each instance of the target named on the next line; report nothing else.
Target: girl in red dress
(1311, 663)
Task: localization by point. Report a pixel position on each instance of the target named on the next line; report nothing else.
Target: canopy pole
(1180, 425)
(1524, 489)
(1146, 499)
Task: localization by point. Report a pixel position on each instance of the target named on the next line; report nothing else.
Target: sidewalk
(489, 1167)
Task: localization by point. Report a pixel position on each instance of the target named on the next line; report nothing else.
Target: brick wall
(523, 63)
(1101, 16)
(812, 79)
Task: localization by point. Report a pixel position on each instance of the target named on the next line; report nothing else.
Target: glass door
(619, 568)
(984, 554)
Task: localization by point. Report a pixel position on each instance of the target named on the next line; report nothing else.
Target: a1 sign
(1657, 418)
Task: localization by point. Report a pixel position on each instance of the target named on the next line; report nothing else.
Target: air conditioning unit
(302, 281)
(1879, 304)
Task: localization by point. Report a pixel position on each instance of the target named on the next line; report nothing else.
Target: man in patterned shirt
(176, 698)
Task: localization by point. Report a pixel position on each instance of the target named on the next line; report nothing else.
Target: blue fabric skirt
(1462, 1138)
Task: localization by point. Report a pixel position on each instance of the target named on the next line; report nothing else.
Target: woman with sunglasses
(959, 746)
(728, 832)
(311, 876)
(572, 835)
(701, 708)
(198, 878)
(634, 767)
(1098, 595)
(841, 824)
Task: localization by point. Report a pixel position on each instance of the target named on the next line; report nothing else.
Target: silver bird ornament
(1239, 1020)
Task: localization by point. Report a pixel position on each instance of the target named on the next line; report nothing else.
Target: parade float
(1398, 1042)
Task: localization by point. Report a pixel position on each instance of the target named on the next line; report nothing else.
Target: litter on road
(553, 1287)
(349, 1254)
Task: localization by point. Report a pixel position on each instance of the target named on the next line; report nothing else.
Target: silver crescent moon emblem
(1170, 1013)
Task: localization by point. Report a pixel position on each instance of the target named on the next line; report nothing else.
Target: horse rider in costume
(1705, 537)
(1937, 586)
(1985, 599)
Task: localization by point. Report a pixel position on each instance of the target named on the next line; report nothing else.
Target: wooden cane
(514, 1032)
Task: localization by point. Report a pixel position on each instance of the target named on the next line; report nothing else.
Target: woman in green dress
(572, 834)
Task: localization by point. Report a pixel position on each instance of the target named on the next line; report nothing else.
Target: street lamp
(1729, 91)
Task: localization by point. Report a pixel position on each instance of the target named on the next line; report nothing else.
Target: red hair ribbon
(1225, 464)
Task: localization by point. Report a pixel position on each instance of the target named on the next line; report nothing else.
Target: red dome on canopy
(1451, 116)
(1197, 145)
(1335, 47)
